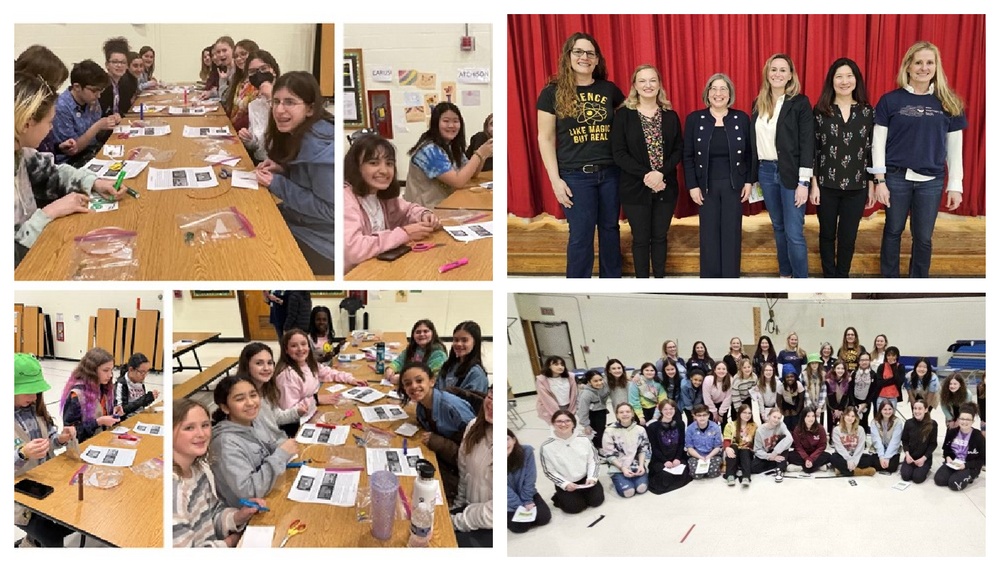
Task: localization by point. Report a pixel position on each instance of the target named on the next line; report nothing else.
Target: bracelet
(20, 452)
(481, 159)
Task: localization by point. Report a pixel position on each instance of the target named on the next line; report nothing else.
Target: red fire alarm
(468, 44)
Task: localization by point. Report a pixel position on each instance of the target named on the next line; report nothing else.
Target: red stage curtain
(687, 49)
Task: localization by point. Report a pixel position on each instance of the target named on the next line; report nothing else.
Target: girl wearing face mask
(200, 518)
(626, 447)
(480, 139)
(666, 442)
(521, 491)
(273, 422)
(919, 440)
(262, 70)
(245, 465)
(88, 399)
(437, 162)
(592, 406)
(376, 218)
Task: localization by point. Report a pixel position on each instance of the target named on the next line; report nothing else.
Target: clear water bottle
(421, 523)
(380, 358)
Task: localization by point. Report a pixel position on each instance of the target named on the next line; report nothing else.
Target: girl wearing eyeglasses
(575, 114)
(299, 168)
(964, 452)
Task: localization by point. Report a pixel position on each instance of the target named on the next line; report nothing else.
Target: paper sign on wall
(470, 98)
(427, 80)
(350, 107)
(415, 114)
(412, 99)
(430, 101)
(407, 76)
(382, 74)
(474, 75)
(448, 92)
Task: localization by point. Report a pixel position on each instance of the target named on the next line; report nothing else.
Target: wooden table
(195, 340)
(128, 515)
(160, 248)
(335, 526)
(472, 196)
(424, 265)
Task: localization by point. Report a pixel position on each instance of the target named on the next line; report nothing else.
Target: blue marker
(247, 503)
(294, 465)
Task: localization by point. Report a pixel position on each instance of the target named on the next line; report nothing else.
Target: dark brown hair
(282, 148)
(268, 390)
(366, 148)
(479, 428)
(41, 61)
(285, 362)
(515, 460)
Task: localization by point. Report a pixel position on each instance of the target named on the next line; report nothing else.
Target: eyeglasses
(140, 372)
(117, 62)
(965, 419)
(287, 102)
(563, 421)
(263, 68)
(583, 53)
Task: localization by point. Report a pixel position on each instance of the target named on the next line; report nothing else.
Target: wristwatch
(880, 181)
(804, 183)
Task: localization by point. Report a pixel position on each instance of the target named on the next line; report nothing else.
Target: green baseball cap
(28, 379)
(814, 358)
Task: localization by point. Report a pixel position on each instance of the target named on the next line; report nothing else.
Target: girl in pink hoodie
(299, 376)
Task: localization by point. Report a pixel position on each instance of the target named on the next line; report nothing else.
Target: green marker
(121, 177)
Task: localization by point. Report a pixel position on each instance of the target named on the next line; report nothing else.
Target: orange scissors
(295, 528)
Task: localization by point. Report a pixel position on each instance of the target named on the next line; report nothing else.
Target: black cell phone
(394, 254)
(34, 489)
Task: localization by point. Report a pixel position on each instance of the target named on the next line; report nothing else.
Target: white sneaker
(794, 468)
(778, 478)
(731, 481)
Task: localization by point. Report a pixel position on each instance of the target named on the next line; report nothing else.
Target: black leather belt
(590, 169)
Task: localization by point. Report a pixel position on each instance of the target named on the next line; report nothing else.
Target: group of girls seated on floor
(250, 436)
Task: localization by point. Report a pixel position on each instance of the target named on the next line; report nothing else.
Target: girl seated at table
(521, 491)
(262, 70)
(273, 422)
(299, 376)
(376, 219)
(299, 168)
(242, 91)
(43, 191)
(424, 347)
(245, 465)
(442, 416)
(88, 398)
(146, 78)
(570, 461)
(809, 440)
(480, 139)
(200, 519)
(472, 512)
(222, 62)
(464, 367)
(438, 165)
(35, 441)
(321, 341)
(136, 67)
(626, 448)
(130, 390)
(207, 65)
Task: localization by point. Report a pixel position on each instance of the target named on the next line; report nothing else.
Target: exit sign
(548, 311)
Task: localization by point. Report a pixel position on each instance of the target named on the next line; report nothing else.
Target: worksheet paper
(187, 111)
(149, 108)
(676, 470)
(393, 460)
(336, 388)
(196, 177)
(107, 456)
(150, 429)
(317, 486)
(382, 413)
(151, 131)
(470, 232)
(364, 394)
(257, 536)
(228, 160)
(407, 429)
(194, 132)
(110, 169)
(312, 434)
(524, 515)
(244, 179)
(114, 151)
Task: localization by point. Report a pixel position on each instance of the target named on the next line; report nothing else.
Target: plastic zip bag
(105, 254)
(212, 226)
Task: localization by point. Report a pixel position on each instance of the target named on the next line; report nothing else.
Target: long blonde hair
(951, 102)
(765, 107)
(632, 101)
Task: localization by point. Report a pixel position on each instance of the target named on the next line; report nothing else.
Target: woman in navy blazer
(646, 145)
(784, 137)
(718, 171)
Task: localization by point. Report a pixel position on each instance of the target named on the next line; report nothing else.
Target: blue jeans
(787, 221)
(623, 482)
(920, 201)
(595, 203)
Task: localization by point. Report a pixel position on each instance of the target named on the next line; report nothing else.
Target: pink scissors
(424, 246)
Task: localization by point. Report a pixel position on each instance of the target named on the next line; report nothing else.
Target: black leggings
(598, 422)
(957, 480)
(914, 473)
(795, 458)
(578, 500)
(743, 460)
(543, 516)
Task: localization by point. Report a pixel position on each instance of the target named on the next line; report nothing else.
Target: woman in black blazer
(646, 145)
(718, 171)
(784, 137)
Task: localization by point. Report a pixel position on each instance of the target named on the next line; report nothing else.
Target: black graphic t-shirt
(584, 139)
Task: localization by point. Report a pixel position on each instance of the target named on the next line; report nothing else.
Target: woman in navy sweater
(646, 144)
(784, 137)
(521, 492)
(718, 152)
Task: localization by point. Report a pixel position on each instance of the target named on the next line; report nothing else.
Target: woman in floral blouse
(841, 187)
(646, 144)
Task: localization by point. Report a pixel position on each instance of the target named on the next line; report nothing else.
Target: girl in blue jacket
(521, 492)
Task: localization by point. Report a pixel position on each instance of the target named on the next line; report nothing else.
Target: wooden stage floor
(537, 247)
